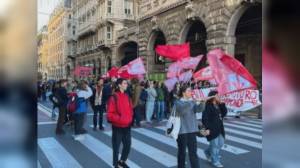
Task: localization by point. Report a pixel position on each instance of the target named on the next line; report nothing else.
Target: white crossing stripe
(57, 155)
(156, 154)
(103, 151)
(47, 122)
(244, 141)
(255, 122)
(243, 133)
(166, 140)
(44, 111)
(48, 111)
(38, 164)
(228, 148)
(246, 124)
(243, 127)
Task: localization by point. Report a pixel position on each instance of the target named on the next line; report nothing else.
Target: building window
(70, 16)
(109, 6)
(127, 6)
(73, 32)
(109, 32)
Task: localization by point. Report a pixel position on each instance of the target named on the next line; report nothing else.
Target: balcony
(126, 32)
(110, 16)
(86, 28)
(104, 43)
(156, 6)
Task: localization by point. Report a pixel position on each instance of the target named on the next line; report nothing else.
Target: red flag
(203, 74)
(174, 52)
(113, 72)
(228, 80)
(136, 67)
(190, 62)
(123, 73)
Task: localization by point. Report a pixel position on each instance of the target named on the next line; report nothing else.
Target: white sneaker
(218, 165)
(79, 137)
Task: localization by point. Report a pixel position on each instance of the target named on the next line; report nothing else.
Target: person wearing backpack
(120, 115)
(84, 92)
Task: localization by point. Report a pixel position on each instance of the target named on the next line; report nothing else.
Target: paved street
(150, 147)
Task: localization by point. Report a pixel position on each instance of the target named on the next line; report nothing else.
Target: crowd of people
(129, 103)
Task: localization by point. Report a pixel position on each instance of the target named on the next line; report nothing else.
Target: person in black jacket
(212, 119)
(62, 96)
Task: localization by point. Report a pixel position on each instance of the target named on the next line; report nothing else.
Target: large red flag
(228, 80)
(237, 67)
(174, 52)
(204, 74)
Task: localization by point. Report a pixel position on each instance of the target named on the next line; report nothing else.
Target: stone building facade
(57, 42)
(233, 25)
(96, 25)
(114, 32)
(42, 53)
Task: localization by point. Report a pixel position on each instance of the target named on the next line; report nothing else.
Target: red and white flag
(136, 67)
(170, 83)
(174, 70)
(229, 79)
(174, 52)
(203, 74)
(186, 76)
(190, 62)
(113, 72)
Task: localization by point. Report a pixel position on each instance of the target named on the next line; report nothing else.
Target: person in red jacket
(120, 114)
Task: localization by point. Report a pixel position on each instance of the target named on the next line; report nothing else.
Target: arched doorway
(195, 33)
(128, 52)
(155, 63)
(248, 35)
(160, 39)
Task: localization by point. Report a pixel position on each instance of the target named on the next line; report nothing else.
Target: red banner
(83, 71)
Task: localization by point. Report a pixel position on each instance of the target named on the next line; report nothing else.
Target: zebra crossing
(150, 147)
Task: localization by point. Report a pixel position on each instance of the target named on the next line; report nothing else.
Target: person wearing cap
(212, 119)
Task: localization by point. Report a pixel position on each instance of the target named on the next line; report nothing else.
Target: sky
(45, 7)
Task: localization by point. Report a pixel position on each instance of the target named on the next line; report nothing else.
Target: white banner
(235, 102)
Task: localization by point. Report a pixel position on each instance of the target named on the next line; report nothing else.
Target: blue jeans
(160, 113)
(214, 149)
(149, 110)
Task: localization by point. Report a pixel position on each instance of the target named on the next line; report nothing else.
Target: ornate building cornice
(169, 7)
